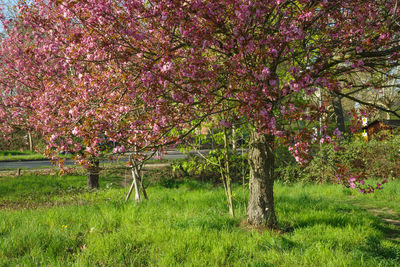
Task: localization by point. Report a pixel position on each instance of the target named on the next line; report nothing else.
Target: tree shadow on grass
(315, 211)
(113, 181)
(35, 191)
(391, 231)
(187, 184)
(376, 249)
(310, 211)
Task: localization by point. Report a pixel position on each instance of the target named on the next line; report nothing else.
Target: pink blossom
(337, 133)
(119, 149)
(225, 123)
(166, 67)
(273, 82)
(156, 128)
(265, 73)
(75, 131)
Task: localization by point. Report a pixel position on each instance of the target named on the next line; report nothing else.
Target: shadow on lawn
(341, 214)
(375, 248)
(316, 211)
(34, 189)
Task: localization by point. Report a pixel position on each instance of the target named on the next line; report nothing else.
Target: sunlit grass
(14, 155)
(19, 155)
(187, 223)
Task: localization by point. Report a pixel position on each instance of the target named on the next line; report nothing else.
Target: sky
(5, 4)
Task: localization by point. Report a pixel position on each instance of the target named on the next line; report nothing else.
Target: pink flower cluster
(350, 180)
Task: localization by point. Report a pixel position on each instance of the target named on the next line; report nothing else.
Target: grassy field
(19, 155)
(13, 155)
(55, 221)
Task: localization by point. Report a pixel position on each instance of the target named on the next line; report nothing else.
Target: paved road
(34, 164)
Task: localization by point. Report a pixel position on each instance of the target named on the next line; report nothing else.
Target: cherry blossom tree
(182, 61)
(78, 104)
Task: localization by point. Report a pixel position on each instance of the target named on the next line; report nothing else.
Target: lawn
(55, 221)
(14, 155)
(19, 155)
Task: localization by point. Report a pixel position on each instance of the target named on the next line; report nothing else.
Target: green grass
(14, 155)
(55, 221)
(19, 155)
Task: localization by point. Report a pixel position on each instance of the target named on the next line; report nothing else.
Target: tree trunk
(233, 137)
(142, 187)
(338, 108)
(30, 142)
(260, 211)
(228, 175)
(230, 198)
(93, 175)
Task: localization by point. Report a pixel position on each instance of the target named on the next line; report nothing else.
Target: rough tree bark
(93, 174)
(260, 211)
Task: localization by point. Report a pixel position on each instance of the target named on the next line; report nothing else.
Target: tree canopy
(142, 72)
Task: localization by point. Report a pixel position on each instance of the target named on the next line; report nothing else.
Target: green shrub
(199, 168)
(378, 159)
